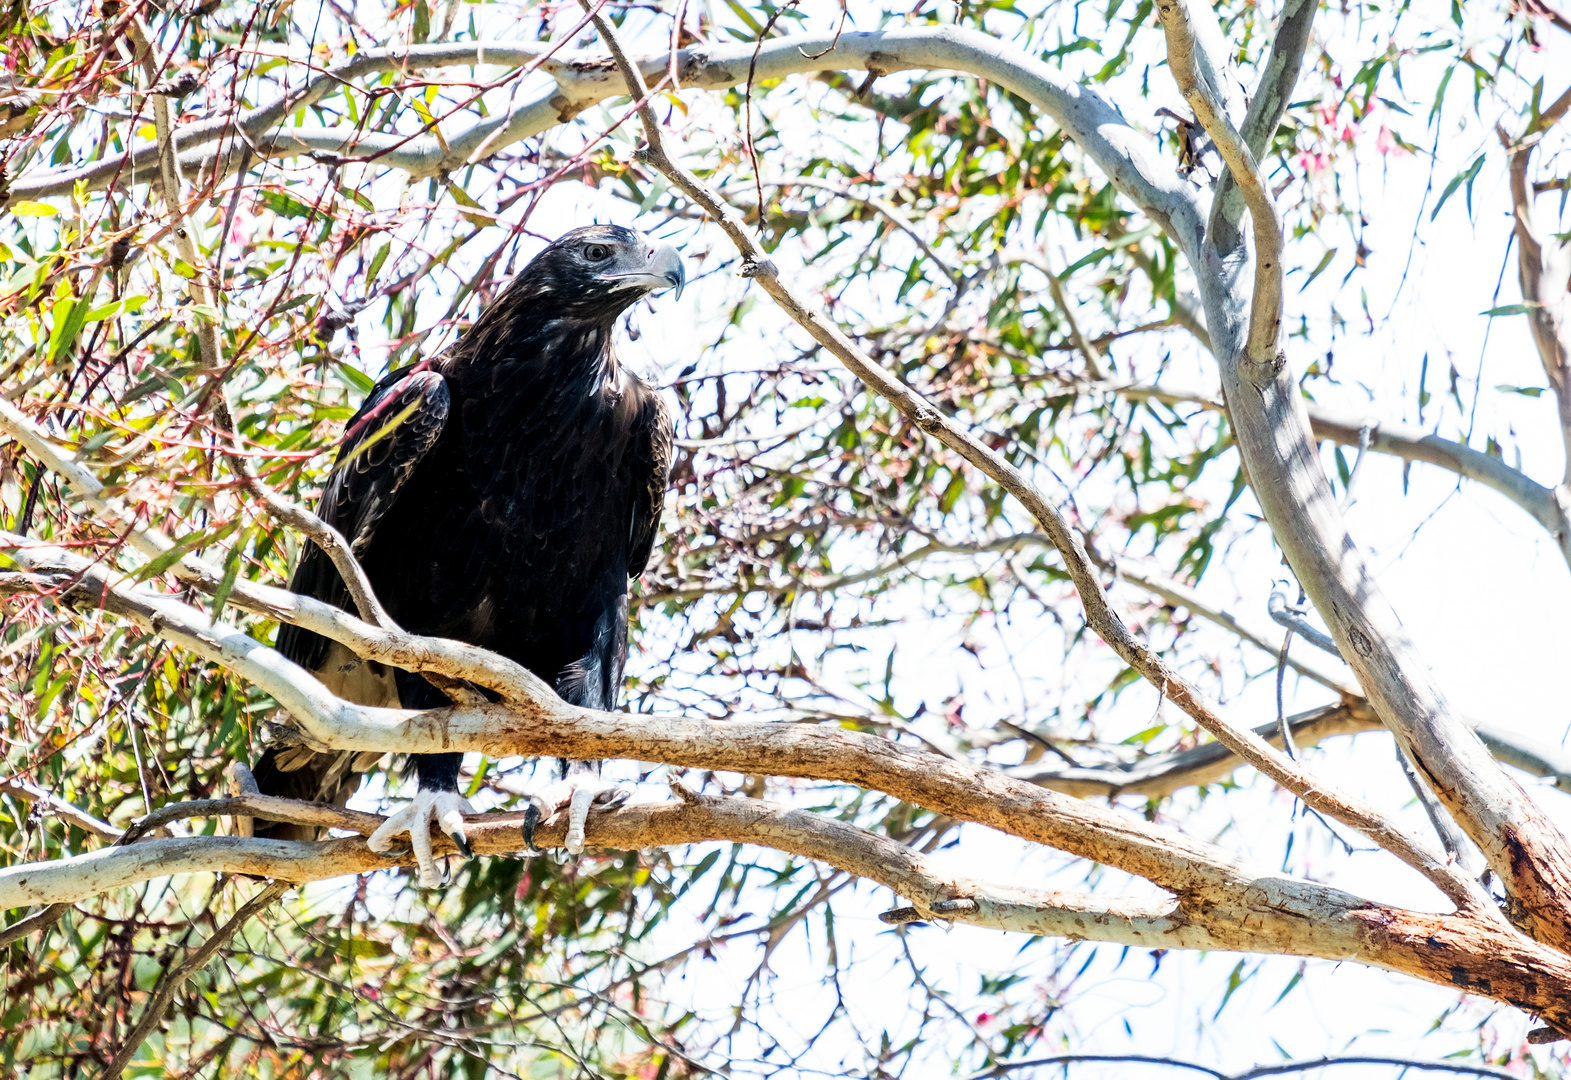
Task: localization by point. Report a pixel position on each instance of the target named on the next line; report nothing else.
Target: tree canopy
(1057, 386)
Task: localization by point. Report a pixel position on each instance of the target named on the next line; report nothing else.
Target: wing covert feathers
(654, 447)
(395, 428)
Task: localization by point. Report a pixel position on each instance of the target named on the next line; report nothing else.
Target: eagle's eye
(597, 252)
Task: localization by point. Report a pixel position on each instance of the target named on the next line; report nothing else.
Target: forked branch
(1521, 845)
(1189, 70)
(1323, 797)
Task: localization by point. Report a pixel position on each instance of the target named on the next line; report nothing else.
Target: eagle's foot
(578, 792)
(447, 810)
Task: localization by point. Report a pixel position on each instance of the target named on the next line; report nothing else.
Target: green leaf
(1288, 989)
(746, 16)
(952, 493)
(231, 572)
(360, 200)
(377, 260)
(355, 378)
(1234, 981)
(33, 209)
(1512, 309)
(69, 316)
(285, 205)
(378, 435)
(199, 539)
(1525, 391)
(1325, 261)
(1464, 177)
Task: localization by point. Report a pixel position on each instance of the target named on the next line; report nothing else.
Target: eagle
(501, 494)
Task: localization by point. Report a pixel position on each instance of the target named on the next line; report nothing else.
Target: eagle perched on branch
(501, 494)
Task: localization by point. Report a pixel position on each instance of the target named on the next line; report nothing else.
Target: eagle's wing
(395, 428)
(652, 445)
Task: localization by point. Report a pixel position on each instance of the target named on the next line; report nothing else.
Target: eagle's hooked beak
(668, 264)
(662, 269)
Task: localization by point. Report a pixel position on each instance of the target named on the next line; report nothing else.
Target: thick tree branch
(1266, 109)
(1483, 956)
(1544, 272)
(547, 726)
(1272, 430)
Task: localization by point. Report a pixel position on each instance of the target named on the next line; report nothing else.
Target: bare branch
(170, 984)
(1272, 430)
(1128, 157)
(1181, 595)
(1160, 775)
(1095, 365)
(887, 210)
(330, 540)
(169, 184)
(1187, 63)
(60, 808)
(1283, 614)
(1267, 914)
(1548, 506)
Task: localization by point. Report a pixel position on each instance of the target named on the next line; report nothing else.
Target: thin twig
(174, 980)
(332, 542)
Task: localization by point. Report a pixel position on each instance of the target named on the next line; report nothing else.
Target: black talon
(532, 816)
(461, 842)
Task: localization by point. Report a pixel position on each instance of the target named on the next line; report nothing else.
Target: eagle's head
(599, 271)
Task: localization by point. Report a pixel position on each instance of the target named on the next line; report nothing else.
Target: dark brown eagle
(501, 494)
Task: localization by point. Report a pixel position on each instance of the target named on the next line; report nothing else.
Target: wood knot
(1360, 642)
(688, 796)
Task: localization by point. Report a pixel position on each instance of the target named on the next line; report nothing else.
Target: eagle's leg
(580, 788)
(436, 800)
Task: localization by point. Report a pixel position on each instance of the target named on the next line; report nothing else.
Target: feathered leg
(593, 682)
